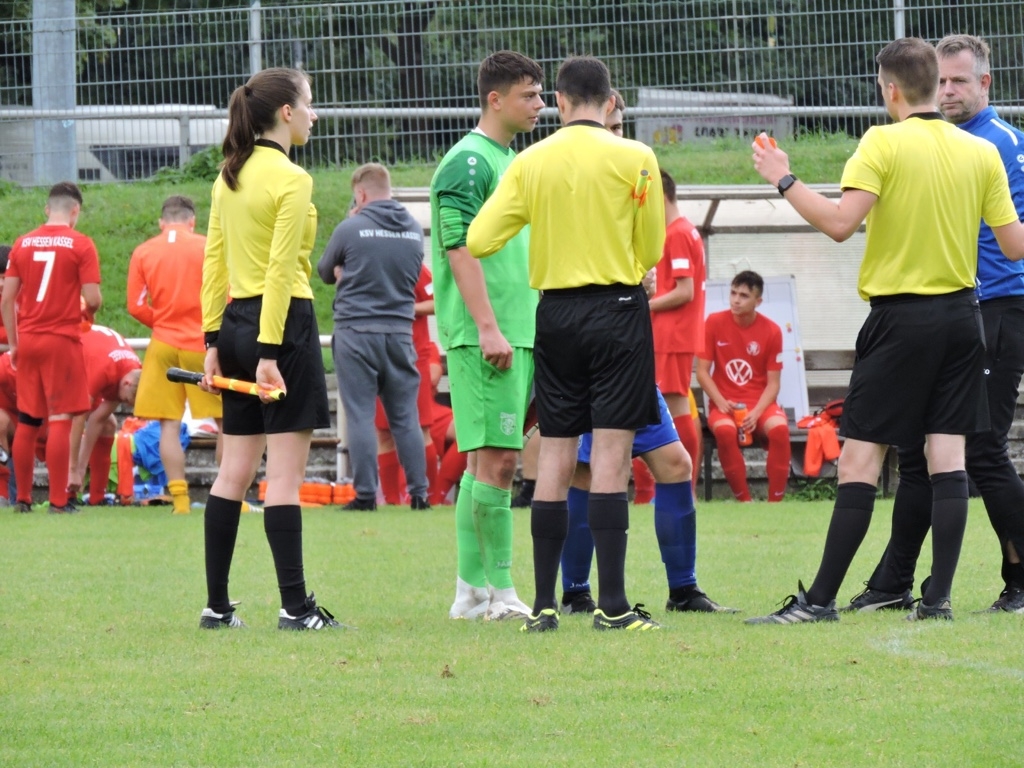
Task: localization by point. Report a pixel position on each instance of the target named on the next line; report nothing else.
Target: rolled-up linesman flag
(182, 376)
(640, 189)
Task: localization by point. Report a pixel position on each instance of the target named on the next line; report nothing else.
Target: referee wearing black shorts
(923, 186)
(262, 229)
(593, 203)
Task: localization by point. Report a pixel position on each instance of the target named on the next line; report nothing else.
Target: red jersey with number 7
(53, 263)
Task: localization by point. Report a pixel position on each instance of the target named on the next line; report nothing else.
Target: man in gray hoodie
(375, 256)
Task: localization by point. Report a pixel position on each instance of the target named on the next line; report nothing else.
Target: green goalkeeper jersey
(467, 176)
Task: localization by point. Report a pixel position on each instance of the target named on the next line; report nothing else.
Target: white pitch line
(897, 646)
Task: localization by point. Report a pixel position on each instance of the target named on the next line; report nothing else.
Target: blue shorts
(647, 438)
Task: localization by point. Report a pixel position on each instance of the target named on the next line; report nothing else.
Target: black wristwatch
(786, 182)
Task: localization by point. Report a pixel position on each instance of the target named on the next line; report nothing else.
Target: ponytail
(252, 110)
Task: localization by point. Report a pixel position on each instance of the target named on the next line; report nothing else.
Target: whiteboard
(780, 305)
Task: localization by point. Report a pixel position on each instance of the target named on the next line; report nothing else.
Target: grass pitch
(102, 663)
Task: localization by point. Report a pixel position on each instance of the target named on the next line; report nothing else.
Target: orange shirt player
(165, 279)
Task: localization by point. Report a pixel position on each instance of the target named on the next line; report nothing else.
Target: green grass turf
(102, 663)
(120, 216)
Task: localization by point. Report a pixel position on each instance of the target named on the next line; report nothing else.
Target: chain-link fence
(396, 80)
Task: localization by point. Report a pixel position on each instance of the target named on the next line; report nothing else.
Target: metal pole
(255, 38)
(184, 153)
(55, 154)
(899, 19)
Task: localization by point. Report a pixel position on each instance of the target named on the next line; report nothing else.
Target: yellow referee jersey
(259, 241)
(594, 204)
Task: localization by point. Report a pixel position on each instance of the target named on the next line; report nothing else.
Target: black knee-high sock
(549, 525)
(949, 519)
(283, 526)
(851, 518)
(220, 526)
(609, 523)
(911, 519)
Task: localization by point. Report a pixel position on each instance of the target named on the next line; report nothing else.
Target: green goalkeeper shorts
(489, 405)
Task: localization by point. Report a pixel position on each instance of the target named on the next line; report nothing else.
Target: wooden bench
(828, 377)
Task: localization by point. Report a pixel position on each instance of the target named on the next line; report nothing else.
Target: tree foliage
(420, 53)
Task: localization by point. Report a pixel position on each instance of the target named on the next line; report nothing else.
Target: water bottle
(740, 414)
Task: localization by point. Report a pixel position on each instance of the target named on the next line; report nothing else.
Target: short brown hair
(64, 194)
(620, 103)
(668, 186)
(750, 279)
(372, 177)
(911, 63)
(584, 80)
(177, 209)
(503, 69)
(951, 45)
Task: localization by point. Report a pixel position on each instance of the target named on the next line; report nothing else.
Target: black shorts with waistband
(594, 358)
(300, 362)
(919, 370)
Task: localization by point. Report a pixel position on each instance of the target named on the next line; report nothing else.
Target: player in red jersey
(5, 252)
(742, 363)
(112, 370)
(8, 421)
(49, 269)
(677, 312)
(388, 467)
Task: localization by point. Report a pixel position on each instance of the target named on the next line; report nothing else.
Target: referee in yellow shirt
(262, 229)
(924, 186)
(593, 204)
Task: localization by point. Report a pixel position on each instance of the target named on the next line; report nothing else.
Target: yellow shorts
(159, 398)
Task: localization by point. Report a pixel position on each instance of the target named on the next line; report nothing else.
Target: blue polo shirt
(998, 277)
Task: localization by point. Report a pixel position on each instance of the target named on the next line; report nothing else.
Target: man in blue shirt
(964, 80)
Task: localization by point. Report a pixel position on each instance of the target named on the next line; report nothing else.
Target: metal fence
(396, 80)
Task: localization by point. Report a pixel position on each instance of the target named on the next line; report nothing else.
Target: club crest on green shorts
(508, 423)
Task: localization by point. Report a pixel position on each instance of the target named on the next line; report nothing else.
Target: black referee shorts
(919, 370)
(300, 363)
(594, 358)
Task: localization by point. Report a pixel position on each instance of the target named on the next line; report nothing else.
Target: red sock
(125, 468)
(58, 454)
(389, 470)
(731, 458)
(432, 467)
(24, 451)
(777, 465)
(5, 480)
(453, 465)
(99, 469)
(643, 483)
(687, 429)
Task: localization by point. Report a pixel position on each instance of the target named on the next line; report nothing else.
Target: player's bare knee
(670, 463)
(581, 477)
(496, 466)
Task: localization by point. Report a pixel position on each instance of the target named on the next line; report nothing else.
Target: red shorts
(51, 375)
(715, 416)
(8, 387)
(439, 428)
(673, 371)
(424, 400)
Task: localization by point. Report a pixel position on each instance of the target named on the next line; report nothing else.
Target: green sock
(471, 566)
(493, 515)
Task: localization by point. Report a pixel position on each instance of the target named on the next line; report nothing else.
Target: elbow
(841, 234)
